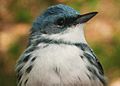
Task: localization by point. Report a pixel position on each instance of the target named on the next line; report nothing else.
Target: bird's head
(61, 22)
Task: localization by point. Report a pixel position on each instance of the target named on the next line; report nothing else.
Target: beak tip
(94, 13)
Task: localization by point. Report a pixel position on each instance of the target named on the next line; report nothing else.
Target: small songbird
(57, 53)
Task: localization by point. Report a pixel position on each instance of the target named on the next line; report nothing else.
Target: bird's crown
(52, 14)
(60, 8)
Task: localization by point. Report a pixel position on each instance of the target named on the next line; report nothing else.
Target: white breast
(59, 65)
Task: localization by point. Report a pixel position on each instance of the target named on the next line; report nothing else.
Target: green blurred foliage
(7, 79)
(7, 66)
(23, 15)
(14, 49)
(20, 11)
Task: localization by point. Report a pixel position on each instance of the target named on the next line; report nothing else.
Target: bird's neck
(73, 34)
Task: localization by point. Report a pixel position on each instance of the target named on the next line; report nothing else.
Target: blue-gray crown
(60, 9)
(57, 10)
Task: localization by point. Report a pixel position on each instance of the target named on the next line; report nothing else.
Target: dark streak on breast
(45, 45)
(30, 49)
(26, 81)
(81, 56)
(19, 68)
(79, 78)
(29, 69)
(33, 59)
(96, 75)
(57, 71)
(88, 76)
(19, 76)
(27, 58)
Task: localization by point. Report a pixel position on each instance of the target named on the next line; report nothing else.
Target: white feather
(69, 63)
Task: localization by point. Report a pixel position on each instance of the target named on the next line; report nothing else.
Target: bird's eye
(61, 21)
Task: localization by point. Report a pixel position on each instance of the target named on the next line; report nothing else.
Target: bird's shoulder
(90, 55)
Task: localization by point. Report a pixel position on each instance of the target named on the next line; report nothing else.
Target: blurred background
(102, 33)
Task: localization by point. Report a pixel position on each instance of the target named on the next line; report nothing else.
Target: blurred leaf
(92, 3)
(76, 6)
(23, 15)
(14, 49)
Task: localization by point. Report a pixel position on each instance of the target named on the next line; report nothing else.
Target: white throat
(73, 34)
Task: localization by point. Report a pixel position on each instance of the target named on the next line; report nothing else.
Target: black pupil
(60, 21)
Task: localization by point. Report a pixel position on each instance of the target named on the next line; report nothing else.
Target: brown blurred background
(102, 33)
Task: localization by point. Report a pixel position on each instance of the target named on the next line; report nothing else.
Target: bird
(57, 53)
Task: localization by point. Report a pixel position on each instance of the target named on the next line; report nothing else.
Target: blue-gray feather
(51, 14)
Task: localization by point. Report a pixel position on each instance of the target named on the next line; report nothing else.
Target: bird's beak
(84, 18)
